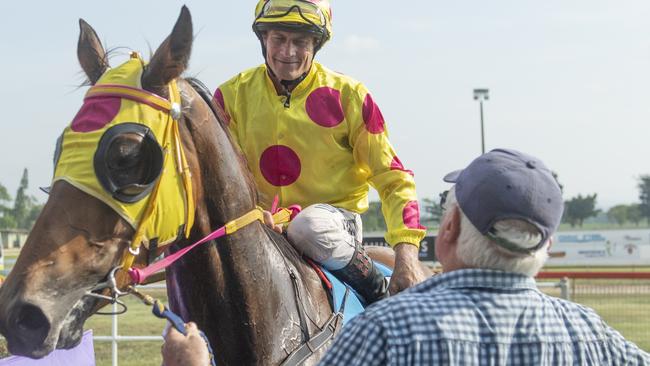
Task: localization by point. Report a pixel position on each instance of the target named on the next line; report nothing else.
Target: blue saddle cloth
(353, 305)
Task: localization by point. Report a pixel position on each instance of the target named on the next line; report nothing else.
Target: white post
(564, 288)
(114, 335)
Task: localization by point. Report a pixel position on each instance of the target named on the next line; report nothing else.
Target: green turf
(629, 314)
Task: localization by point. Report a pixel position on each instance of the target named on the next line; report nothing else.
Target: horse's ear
(90, 52)
(172, 57)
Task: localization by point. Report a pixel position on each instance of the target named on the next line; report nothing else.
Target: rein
(139, 275)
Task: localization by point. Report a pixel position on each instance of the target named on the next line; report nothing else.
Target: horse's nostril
(31, 323)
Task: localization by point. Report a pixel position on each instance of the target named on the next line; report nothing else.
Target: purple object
(82, 355)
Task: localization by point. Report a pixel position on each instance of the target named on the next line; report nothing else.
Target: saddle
(344, 299)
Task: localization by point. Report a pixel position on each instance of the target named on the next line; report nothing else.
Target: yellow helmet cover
(114, 106)
(311, 13)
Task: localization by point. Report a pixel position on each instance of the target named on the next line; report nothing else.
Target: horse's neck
(251, 310)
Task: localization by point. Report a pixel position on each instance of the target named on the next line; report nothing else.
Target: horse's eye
(128, 161)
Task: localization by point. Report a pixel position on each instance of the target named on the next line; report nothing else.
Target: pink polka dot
(280, 165)
(96, 113)
(411, 215)
(396, 164)
(218, 96)
(372, 116)
(323, 106)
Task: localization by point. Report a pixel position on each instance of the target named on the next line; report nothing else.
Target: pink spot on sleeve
(96, 113)
(411, 215)
(396, 164)
(218, 97)
(280, 165)
(323, 106)
(372, 116)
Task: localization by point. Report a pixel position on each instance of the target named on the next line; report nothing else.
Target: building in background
(13, 238)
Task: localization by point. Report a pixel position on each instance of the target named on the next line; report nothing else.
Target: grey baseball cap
(508, 184)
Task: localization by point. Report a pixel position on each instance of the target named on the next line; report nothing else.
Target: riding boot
(364, 277)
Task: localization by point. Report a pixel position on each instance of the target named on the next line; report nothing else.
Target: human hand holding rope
(186, 350)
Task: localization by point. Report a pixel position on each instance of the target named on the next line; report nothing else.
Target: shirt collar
(302, 86)
(482, 278)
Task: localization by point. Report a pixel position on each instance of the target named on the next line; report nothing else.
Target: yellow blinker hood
(167, 211)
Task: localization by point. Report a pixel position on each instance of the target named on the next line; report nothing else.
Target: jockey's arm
(407, 271)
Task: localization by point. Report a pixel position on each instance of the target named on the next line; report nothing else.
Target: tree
(23, 203)
(644, 196)
(634, 214)
(431, 213)
(580, 208)
(373, 219)
(6, 218)
(25, 210)
(618, 214)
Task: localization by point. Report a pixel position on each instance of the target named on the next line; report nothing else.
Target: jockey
(316, 138)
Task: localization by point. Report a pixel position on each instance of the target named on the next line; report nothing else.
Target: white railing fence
(114, 338)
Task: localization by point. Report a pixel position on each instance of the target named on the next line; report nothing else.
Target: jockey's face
(289, 54)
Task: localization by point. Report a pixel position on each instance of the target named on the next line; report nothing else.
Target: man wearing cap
(315, 138)
(485, 309)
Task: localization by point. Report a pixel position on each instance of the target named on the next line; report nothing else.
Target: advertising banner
(601, 248)
(426, 246)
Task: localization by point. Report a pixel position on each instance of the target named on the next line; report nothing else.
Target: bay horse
(250, 292)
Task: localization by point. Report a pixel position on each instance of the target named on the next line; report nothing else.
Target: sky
(569, 81)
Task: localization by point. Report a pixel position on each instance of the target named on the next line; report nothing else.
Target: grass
(137, 321)
(628, 314)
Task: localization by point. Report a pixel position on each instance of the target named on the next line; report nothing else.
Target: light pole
(481, 95)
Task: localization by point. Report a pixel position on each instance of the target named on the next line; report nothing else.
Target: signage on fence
(426, 246)
(601, 248)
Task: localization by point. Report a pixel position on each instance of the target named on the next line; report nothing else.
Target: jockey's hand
(407, 271)
(268, 220)
(189, 350)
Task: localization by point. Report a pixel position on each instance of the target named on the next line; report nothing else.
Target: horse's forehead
(128, 74)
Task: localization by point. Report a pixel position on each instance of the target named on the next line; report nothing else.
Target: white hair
(478, 251)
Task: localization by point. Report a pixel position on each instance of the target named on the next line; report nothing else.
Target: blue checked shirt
(480, 317)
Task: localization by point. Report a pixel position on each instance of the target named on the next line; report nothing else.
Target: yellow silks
(167, 211)
(327, 144)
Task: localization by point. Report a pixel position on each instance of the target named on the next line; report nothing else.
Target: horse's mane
(287, 250)
(206, 95)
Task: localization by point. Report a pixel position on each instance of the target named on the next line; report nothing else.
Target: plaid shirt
(480, 317)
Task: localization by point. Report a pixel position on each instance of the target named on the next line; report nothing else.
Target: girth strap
(300, 354)
(310, 347)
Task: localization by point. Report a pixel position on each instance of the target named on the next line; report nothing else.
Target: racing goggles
(292, 11)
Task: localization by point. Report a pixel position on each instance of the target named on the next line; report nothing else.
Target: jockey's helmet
(311, 16)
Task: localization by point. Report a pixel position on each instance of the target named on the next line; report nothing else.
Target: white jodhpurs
(326, 234)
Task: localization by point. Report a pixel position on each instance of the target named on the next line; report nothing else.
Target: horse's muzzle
(26, 329)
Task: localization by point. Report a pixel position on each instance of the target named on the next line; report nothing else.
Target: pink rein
(139, 275)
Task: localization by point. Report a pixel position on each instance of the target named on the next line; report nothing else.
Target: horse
(252, 294)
